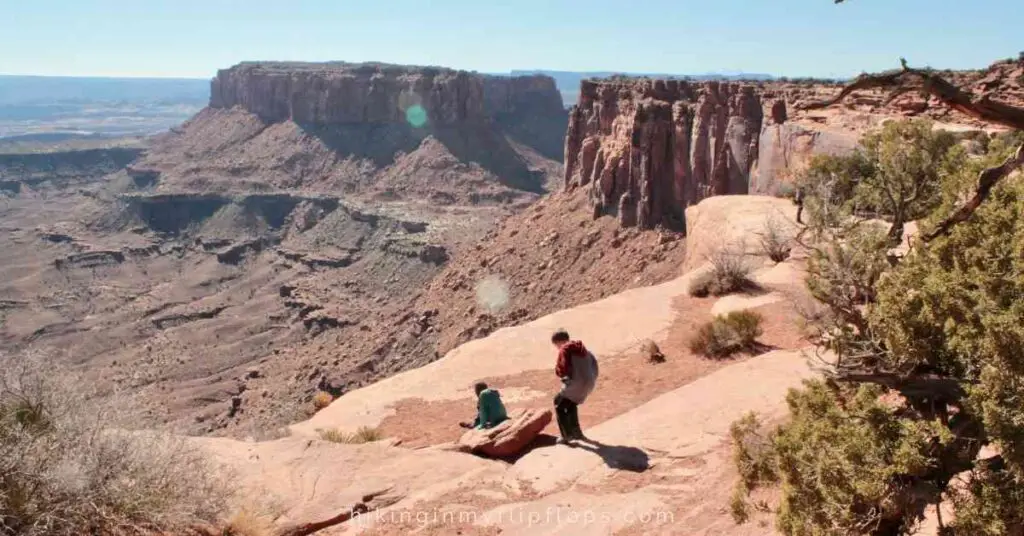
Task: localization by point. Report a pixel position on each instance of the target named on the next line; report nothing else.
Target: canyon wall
(339, 93)
(647, 149)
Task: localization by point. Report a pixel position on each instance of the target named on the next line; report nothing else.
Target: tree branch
(370, 502)
(912, 387)
(986, 181)
(980, 107)
(906, 79)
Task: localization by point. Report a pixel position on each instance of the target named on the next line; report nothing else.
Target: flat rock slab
(694, 418)
(508, 438)
(315, 479)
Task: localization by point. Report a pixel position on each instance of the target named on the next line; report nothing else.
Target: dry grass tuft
(364, 434)
(249, 522)
(65, 468)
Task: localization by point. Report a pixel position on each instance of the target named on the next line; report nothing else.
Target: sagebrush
(775, 239)
(729, 272)
(65, 469)
(728, 334)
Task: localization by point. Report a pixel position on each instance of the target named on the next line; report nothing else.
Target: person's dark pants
(568, 418)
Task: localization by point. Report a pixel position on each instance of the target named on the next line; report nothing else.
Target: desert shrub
(730, 272)
(924, 375)
(776, 243)
(64, 469)
(753, 458)
(321, 400)
(751, 452)
(365, 434)
(727, 334)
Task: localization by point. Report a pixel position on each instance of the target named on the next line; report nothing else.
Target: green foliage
(728, 334)
(754, 460)
(990, 505)
(895, 174)
(842, 275)
(847, 466)
(751, 452)
(928, 346)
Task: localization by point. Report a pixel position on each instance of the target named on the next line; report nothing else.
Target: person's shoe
(565, 441)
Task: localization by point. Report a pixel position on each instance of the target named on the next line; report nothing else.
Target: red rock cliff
(646, 149)
(338, 93)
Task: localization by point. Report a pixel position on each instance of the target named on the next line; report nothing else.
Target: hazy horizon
(191, 39)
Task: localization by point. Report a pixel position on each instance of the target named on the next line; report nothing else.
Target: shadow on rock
(541, 441)
(617, 456)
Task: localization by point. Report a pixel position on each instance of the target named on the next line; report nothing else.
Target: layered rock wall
(345, 93)
(647, 149)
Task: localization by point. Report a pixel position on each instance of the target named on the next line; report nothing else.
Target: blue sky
(193, 38)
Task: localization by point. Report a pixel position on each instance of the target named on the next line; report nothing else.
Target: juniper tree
(923, 399)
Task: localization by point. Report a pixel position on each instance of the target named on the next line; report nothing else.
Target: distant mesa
(390, 131)
(340, 93)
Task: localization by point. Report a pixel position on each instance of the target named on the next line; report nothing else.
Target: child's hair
(560, 336)
(480, 387)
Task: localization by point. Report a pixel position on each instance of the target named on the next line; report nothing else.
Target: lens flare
(492, 293)
(416, 115)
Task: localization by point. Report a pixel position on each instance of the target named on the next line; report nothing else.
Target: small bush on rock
(776, 243)
(730, 272)
(321, 400)
(728, 334)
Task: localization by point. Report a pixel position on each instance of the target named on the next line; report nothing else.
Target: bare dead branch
(986, 181)
(907, 79)
(951, 389)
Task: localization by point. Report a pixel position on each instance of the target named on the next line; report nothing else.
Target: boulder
(508, 438)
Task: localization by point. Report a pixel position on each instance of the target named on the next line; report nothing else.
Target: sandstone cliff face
(649, 148)
(340, 93)
(646, 149)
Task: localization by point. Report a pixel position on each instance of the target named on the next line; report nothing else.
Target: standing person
(798, 198)
(490, 411)
(578, 370)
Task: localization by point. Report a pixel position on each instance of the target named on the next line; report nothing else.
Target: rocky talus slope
(62, 168)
